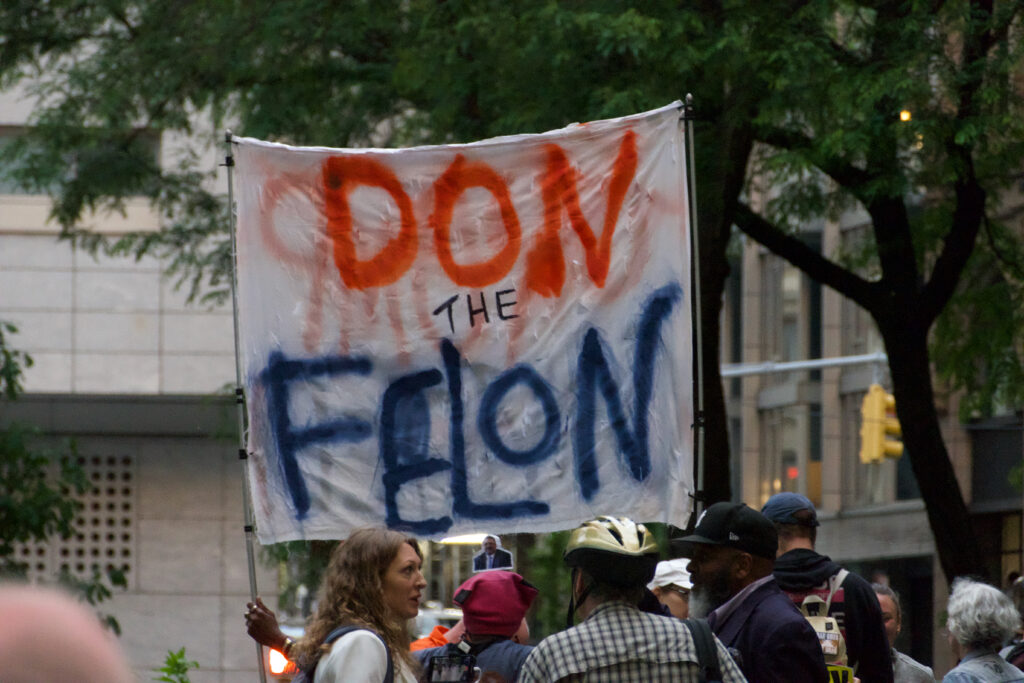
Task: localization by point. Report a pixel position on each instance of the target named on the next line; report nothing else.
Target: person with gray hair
(904, 668)
(981, 618)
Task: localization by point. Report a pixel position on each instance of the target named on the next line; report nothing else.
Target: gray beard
(706, 599)
(700, 605)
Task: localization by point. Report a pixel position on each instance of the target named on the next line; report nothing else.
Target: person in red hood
(494, 605)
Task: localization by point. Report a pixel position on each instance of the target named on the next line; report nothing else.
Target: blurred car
(432, 614)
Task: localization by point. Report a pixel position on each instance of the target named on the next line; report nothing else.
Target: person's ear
(742, 565)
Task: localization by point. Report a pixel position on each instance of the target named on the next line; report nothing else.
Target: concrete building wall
(107, 325)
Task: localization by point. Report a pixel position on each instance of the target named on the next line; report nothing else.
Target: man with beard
(732, 553)
(801, 571)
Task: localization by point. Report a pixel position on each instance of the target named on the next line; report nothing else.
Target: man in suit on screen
(491, 555)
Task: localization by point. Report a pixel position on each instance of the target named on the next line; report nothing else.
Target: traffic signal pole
(770, 367)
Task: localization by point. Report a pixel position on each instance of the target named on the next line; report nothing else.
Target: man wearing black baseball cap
(732, 554)
(801, 572)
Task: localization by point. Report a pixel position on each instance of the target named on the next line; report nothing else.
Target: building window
(860, 336)
(1010, 557)
(732, 323)
(784, 447)
(792, 347)
(855, 483)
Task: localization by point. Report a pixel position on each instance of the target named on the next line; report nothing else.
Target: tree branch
(843, 56)
(816, 266)
(969, 195)
(122, 19)
(848, 176)
(1008, 262)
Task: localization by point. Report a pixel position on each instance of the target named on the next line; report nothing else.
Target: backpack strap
(834, 582)
(707, 653)
(389, 676)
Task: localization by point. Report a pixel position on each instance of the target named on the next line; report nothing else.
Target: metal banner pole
(229, 163)
(690, 195)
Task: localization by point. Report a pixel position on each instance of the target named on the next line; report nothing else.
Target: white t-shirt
(358, 657)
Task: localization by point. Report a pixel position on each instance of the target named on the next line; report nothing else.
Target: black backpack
(306, 675)
(707, 653)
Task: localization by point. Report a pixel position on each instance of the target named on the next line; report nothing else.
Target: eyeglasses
(684, 592)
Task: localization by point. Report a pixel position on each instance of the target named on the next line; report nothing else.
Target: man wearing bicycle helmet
(612, 560)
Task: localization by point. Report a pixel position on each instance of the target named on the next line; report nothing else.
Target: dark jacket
(773, 640)
(855, 606)
(499, 661)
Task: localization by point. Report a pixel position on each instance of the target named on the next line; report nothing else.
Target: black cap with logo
(733, 525)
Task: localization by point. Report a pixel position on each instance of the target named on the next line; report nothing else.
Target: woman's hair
(981, 617)
(352, 592)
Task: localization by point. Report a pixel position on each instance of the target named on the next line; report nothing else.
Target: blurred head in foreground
(48, 637)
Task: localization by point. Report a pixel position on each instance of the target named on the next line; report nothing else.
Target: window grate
(105, 537)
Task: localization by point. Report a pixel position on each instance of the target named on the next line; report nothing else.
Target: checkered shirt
(617, 643)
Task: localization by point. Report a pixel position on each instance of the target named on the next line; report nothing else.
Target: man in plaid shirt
(612, 560)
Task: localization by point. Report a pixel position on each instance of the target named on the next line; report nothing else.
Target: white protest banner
(450, 338)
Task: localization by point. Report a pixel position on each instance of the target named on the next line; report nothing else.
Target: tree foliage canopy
(317, 72)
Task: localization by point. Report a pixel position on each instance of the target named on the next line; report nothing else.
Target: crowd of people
(748, 598)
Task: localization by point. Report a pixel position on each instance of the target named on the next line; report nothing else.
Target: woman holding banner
(371, 588)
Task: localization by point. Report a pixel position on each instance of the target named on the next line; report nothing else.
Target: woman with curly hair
(373, 582)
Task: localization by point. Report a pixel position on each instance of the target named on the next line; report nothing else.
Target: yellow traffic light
(878, 424)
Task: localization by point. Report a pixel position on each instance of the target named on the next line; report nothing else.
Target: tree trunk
(955, 542)
(717, 462)
(724, 144)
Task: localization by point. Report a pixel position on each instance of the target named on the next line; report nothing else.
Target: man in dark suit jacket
(491, 557)
(732, 554)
